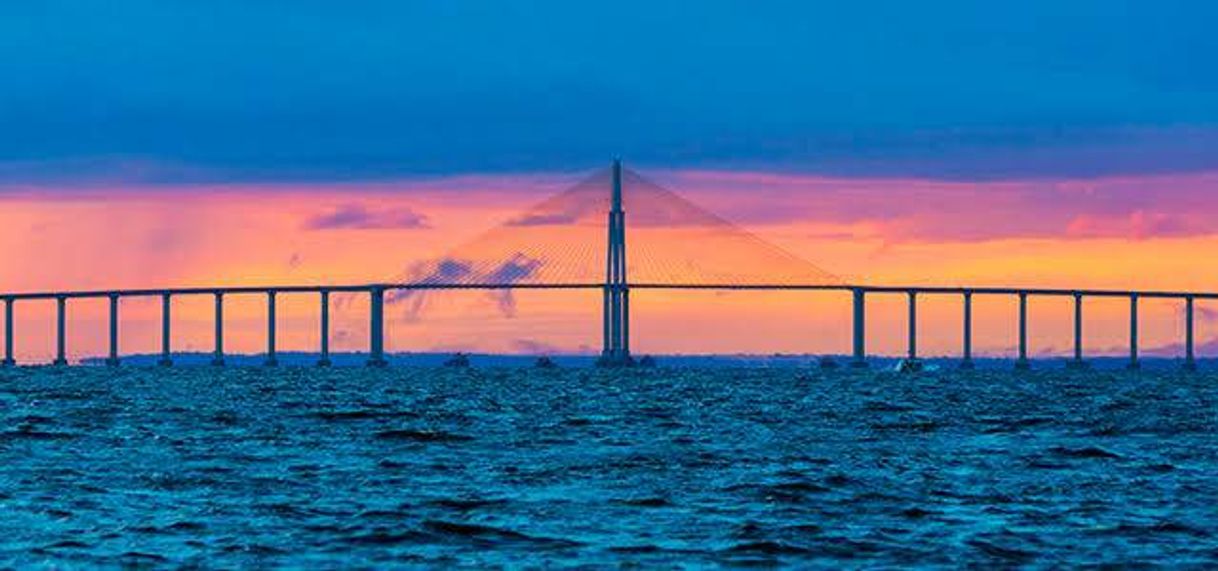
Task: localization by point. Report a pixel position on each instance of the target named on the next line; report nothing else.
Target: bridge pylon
(616, 321)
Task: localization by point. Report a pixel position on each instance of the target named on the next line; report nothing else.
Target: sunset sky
(194, 144)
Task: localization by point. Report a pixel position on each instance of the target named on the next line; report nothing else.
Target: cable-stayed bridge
(615, 231)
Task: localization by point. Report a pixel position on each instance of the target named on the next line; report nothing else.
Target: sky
(1033, 143)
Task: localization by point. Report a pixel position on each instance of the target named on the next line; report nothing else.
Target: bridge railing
(376, 317)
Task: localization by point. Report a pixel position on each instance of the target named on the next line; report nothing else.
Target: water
(686, 467)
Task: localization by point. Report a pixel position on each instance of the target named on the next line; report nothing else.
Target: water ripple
(341, 468)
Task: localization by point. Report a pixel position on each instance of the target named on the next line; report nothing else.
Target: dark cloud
(518, 268)
(357, 216)
(437, 271)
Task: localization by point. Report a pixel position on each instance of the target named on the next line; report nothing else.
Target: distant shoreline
(429, 359)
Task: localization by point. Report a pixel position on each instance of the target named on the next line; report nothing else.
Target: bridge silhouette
(561, 244)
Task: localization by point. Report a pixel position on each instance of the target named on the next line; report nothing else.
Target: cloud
(533, 346)
(436, 271)
(898, 210)
(358, 216)
(516, 269)
(1137, 225)
(544, 219)
(1201, 347)
(1207, 315)
(1204, 317)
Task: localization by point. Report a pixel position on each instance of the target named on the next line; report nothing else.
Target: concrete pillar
(913, 325)
(625, 321)
(324, 360)
(61, 330)
(860, 328)
(1078, 362)
(1133, 332)
(1022, 362)
(376, 337)
(1190, 362)
(271, 357)
(8, 333)
(615, 341)
(1078, 327)
(166, 360)
(217, 358)
(967, 362)
(605, 322)
(112, 360)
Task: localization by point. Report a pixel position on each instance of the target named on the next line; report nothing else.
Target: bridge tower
(616, 339)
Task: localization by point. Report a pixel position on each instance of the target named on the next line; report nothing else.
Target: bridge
(495, 262)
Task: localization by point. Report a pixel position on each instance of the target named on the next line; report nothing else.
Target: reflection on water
(307, 467)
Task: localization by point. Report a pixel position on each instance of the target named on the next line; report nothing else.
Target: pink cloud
(894, 210)
(358, 216)
(913, 210)
(1137, 225)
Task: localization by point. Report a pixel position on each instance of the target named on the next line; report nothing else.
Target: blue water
(301, 467)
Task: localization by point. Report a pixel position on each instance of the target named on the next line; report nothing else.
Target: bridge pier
(166, 360)
(967, 361)
(8, 333)
(112, 360)
(376, 337)
(860, 329)
(1078, 362)
(1190, 362)
(61, 326)
(605, 326)
(626, 319)
(272, 359)
(1022, 362)
(913, 326)
(1134, 363)
(324, 360)
(217, 358)
(615, 344)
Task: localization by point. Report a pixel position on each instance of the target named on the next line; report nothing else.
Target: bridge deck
(917, 289)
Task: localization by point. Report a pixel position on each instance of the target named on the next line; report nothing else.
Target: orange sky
(1109, 233)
